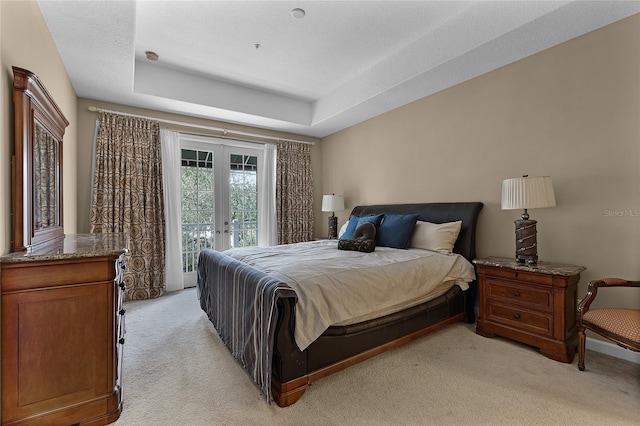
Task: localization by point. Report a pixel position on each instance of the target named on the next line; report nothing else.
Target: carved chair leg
(581, 347)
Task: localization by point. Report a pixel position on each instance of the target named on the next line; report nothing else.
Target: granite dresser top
(540, 267)
(73, 246)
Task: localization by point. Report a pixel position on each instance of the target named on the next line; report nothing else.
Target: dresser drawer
(512, 274)
(522, 319)
(26, 276)
(525, 295)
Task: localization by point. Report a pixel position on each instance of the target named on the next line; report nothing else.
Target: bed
(254, 301)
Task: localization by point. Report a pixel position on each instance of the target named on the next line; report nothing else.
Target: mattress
(338, 287)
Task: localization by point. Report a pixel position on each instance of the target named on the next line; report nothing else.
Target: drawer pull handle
(516, 293)
(517, 316)
(122, 311)
(515, 275)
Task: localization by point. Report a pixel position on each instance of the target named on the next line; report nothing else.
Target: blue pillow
(351, 228)
(355, 221)
(395, 230)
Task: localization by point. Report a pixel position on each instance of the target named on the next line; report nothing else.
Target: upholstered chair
(617, 324)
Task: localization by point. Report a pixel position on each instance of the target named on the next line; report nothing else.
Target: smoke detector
(298, 13)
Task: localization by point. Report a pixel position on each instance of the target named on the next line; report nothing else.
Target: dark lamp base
(526, 242)
(333, 227)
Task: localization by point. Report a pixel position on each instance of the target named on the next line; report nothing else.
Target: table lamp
(527, 193)
(332, 203)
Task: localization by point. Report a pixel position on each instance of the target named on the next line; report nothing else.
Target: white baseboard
(612, 350)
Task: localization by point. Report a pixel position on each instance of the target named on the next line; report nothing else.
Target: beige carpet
(178, 372)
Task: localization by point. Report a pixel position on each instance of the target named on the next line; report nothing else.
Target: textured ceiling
(343, 63)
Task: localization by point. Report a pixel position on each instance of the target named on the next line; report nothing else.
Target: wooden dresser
(63, 331)
(533, 304)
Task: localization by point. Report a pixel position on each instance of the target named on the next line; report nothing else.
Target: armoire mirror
(37, 164)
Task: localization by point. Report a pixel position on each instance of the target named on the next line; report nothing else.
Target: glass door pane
(243, 199)
(198, 205)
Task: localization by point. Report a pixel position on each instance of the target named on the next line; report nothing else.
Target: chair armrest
(616, 282)
(592, 291)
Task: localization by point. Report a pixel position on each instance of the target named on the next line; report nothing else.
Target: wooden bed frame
(342, 346)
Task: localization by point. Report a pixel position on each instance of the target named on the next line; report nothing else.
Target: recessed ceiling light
(298, 13)
(152, 56)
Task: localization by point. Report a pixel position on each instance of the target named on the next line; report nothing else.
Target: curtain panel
(294, 192)
(267, 216)
(171, 159)
(127, 197)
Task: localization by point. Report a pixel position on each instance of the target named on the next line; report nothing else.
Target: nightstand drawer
(533, 297)
(521, 276)
(521, 319)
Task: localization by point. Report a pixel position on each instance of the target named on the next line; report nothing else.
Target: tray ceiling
(253, 63)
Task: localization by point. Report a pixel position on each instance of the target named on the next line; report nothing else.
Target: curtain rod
(200, 126)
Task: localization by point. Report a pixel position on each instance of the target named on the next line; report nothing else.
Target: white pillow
(342, 229)
(439, 237)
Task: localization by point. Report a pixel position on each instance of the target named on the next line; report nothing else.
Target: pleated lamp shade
(528, 193)
(332, 203)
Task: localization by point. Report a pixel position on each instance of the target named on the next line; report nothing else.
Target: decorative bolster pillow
(364, 239)
(366, 246)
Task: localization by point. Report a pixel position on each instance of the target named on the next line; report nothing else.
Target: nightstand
(532, 304)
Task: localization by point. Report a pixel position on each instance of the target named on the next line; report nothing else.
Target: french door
(219, 199)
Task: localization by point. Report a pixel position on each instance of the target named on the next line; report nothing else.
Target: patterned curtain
(127, 197)
(294, 193)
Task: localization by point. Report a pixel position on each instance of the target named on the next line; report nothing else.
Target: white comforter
(337, 286)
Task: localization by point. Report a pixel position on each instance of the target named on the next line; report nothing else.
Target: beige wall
(86, 129)
(571, 112)
(25, 42)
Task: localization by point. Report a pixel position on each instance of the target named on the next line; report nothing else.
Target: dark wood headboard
(437, 213)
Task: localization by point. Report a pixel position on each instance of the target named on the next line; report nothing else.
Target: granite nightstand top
(540, 267)
(74, 246)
